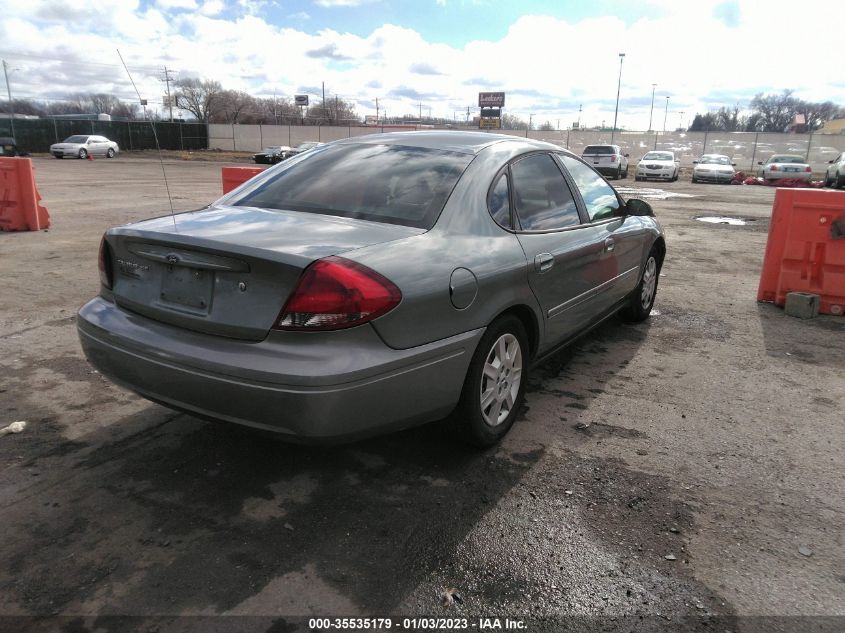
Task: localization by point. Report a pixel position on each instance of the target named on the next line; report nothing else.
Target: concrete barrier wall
(745, 148)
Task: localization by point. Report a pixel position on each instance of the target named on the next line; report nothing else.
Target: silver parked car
(607, 159)
(713, 168)
(834, 175)
(84, 145)
(659, 166)
(372, 284)
(785, 166)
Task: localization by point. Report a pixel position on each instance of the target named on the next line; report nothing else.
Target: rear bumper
(330, 386)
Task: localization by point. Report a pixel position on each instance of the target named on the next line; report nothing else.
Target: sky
(551, 58)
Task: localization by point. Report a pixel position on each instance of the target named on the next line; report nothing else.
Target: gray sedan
(372, 284)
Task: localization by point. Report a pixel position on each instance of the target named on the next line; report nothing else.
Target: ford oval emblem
(172, 259)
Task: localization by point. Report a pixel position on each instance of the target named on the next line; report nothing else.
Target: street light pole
(618, 90)
(666, 114)
(651, 112)
(11, 103)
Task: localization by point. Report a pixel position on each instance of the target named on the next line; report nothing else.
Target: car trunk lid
(228, 270)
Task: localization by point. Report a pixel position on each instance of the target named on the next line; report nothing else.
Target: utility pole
(336, 111)
(653, 86)
(325, 115)
(579, 116)
(376, 110)
(468, 115)
(167, 79)
(420, 104)
(665, 114)
(530, 120)
(9, 92)
(618, 91)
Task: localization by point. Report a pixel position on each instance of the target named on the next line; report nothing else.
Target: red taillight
(773, 168)
(613, 159)
(104, 264)
(808, 169)
(335, 293)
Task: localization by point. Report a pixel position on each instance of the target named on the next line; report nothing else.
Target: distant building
(835, 126)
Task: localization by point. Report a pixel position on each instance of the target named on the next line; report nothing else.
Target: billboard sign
(300, 100)
(491, 99)
(490, 124)
(491, 113)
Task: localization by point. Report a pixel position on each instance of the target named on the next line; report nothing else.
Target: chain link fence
(744, 148)
(36, 135)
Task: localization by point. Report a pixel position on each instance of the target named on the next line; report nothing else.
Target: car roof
(715, 156)
(461, 142)
(780, 156)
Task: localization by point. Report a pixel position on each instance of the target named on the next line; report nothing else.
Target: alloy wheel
(649, 283)
(501, 379)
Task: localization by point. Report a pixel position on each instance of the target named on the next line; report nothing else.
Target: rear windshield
(787, 159)
(599, 149)
(659, 156)
(394, 184)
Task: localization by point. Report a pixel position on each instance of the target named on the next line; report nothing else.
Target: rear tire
(641, 300)
(618, 173)
(494, 387)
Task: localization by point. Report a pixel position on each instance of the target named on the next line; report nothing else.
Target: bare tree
(198, 96)
(773, 113)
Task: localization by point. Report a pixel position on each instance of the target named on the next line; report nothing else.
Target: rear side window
(394, 184)
(599, 149)
(542, 198)
(499, 202)
(599, 197)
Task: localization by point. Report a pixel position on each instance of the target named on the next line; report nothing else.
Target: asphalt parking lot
(689, 468)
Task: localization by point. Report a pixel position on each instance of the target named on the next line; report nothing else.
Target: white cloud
(212, 7)
(547, 66)
(168, 5)
(342, 3)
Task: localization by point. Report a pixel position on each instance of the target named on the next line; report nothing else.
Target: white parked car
(662, 165)
(84, 145)
(785, 166)
(608, 160)
(713, 168)
(834, 176)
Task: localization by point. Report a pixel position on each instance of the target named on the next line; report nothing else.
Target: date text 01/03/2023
(414, 624)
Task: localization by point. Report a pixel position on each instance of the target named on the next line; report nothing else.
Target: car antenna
(155, 136)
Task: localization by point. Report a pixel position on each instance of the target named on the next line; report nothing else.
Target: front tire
(494, 388)
(641, 300)
(83, 153)
(110, 153)
(840, 182)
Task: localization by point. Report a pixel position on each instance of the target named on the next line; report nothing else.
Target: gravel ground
(681, 474)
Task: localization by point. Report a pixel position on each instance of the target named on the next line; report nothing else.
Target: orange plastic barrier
(805, 251)
(19, 198)
(235, 176)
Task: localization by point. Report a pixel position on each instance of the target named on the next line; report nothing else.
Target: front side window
(395, 184)
(542, 198)
(599, 197)
(76, 139)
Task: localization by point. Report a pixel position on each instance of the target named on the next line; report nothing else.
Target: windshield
(381, 183)
(787, 159)
(659, 156)
(715, 160)
(76, 139)
(599, 149)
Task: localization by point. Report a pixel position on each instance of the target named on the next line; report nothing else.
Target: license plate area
(186, 289)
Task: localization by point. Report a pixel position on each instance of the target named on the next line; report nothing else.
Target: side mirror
(635, 206)
(831, 161)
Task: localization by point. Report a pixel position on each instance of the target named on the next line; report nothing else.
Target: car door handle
(609, 244)
(544, 262)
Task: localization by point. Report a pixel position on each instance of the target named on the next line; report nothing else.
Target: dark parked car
(372, 284)
(8, 147)
(270, 155)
